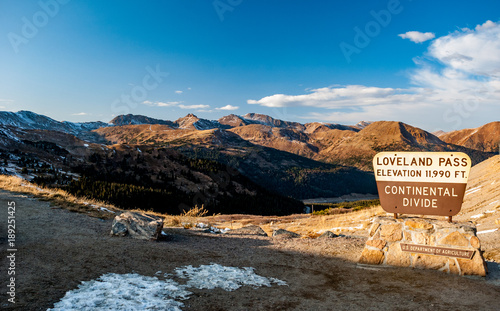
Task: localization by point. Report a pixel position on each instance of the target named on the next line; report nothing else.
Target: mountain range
(289, 159)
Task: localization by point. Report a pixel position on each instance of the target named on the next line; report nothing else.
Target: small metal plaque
(438, 251)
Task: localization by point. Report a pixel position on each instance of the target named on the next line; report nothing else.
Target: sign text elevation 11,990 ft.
(423, 183)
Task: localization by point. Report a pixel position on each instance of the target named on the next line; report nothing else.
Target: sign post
(422, 183)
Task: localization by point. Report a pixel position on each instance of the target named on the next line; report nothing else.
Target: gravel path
(57, 249)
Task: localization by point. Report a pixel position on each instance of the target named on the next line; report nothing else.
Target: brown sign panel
(438, 251)
(422, 183)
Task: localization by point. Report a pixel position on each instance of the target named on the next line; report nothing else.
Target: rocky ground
(58, 249)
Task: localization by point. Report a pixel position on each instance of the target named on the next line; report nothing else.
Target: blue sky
(432, 64)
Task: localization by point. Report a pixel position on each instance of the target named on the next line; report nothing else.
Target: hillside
(302, 161)
(131, 175)
(358, 149)
(286, 139)
(30, 120)
(131, 119)
(484, 138)
(275, 158)
(325, 142)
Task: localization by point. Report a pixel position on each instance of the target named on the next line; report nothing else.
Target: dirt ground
(57, 249)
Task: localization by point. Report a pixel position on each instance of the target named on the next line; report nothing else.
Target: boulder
(137, 226)
(285, 233)
(327, 235)
(248, 230)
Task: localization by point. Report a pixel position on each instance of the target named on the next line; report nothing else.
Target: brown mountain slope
(141, 134)
(315, 127)
(270, 121)
(359, 149)
(315, 141)
(233, 120)
(285, 139)
(485, 138)
(146, 134)
(246, 148)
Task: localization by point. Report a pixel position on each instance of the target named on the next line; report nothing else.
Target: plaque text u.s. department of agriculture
(439, 251)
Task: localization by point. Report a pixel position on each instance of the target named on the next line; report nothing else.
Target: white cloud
(337, 97)
(161, 104)
(486, 25)
(81, 114)
(5, 101)
(228, 107)
(417, 36)
(179, 92)
(194, 106)
(458, 78)
(474, 52)
(178, 104)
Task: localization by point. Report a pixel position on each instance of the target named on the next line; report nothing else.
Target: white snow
(211, 228)
(494, 202)
(86, 145)
(201, 225)
(217, 230)
(132, 291)
(487, 231)
(124, 292)
(472, 190)
(228, 278)
(103, 209)
(477, 216)
(31, 186)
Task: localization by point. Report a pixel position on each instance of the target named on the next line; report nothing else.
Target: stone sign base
(424, 244)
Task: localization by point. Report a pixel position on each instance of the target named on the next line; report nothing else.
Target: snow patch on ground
(31, 186)
(228, 278)
(211, 228)
(102, 209)
(124, 292)
(487, 231)
(132, 291)
(472, 190)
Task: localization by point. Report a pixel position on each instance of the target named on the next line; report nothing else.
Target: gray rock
(285, 233)
(248, 230)
(327, 234)
(137, 226)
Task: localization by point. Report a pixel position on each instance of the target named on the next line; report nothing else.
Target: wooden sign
(422, 183)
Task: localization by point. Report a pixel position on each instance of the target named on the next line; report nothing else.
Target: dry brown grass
(188, 219)
(58, 197)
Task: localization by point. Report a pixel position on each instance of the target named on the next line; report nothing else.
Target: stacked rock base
(438, 245)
